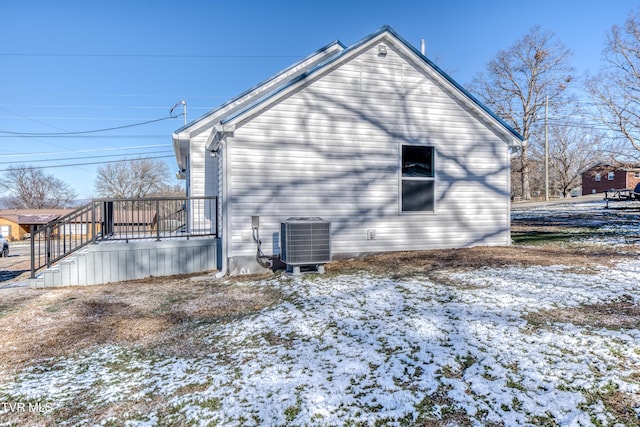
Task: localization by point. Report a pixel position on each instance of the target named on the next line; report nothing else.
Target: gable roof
(309, 67)
(288, 73)
(33, 216)
(612, 165)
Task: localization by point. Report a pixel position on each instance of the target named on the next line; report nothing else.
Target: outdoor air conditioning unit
(305, 242)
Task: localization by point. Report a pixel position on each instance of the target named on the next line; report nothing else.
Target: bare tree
(133, 178)
(31, 188)
(174, 190)
(517, 83)
(616, 89)
(571, 151)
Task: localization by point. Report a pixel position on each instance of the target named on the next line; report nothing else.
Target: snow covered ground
(365, 350)
(618, 225)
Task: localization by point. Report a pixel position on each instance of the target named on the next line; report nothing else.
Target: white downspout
(224, 197)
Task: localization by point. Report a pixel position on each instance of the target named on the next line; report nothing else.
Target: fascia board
(179, 146)
(309, 76)
(514, 138)
(410, 52)
(213, 116)
(268, 97)
(218, 133)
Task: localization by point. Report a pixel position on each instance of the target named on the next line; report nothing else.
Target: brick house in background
(602, 177)
(16, 223)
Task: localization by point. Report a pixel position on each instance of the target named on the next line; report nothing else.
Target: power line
(90, 137)
(139, 55)
(89, 163)
(91, 150)
(83, 157)
(76, 118)
(56, 134)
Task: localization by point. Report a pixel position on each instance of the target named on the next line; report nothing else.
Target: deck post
(187, 208)
(93, 222)
(157, 220)
(33, 251)
(47, 245)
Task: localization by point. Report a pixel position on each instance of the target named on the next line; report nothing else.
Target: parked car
(5, 246)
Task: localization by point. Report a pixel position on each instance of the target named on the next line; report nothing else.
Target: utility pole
(546, 149)
(184, 109)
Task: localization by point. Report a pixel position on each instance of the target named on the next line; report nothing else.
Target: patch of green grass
(546, 420)
(193, 387)
(467, 361)
(515, 385)
(176, 408)
(293, 411)
(59, 305)
(125, 362)
(6, 309)
(213, 404)
(618, 405)
(114, 422)
(517, 404)
(487, 376)
(438, 409)
(542, 237)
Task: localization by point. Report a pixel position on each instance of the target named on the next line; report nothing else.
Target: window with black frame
(418, 178)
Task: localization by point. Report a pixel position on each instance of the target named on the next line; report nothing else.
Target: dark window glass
(417, 196)
(418, 185)
(417, 161)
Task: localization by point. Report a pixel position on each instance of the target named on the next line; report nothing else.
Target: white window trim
(433, 179)
(611, 176)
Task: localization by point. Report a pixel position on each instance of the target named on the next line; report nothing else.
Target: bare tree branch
(616, 89)
(571, 151)
(134, 178)
(31, 188)
(516, 86)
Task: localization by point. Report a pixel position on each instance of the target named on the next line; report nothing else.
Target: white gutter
(178, 140)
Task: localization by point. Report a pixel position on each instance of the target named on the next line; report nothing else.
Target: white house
(373, 137)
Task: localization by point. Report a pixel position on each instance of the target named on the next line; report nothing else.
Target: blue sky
(70, 66)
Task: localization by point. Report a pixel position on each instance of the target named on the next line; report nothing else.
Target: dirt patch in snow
(162, 315)
(623, 314)
(571, 239)
(425, 262)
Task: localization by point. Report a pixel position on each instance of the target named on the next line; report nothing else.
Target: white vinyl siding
(204, 181)
(331, 150)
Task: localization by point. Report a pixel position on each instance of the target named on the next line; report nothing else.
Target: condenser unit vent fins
(305, 241)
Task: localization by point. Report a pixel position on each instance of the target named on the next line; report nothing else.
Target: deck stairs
(97, 244)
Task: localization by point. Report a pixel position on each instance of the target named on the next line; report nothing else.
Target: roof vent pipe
(422, 47)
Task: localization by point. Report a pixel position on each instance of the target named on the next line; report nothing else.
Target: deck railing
(156, 218)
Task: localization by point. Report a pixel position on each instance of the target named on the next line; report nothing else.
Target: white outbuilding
(372, 138)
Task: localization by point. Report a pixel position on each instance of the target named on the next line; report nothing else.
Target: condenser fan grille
(305, 241)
